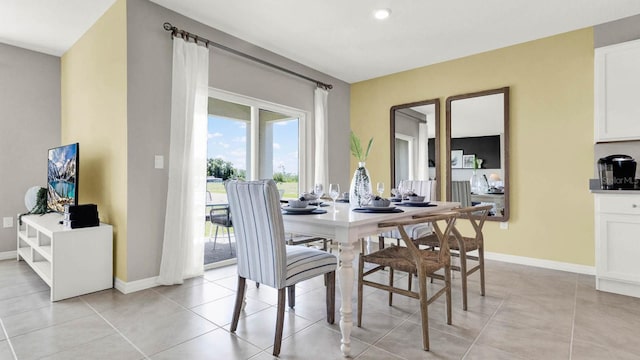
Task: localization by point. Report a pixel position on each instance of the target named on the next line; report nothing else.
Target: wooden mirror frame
(505, 92)
(392, 138)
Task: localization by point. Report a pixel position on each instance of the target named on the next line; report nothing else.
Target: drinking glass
(380, 188)
(334, 192)
(318, 190)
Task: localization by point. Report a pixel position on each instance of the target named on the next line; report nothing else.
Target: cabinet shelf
(72, 262)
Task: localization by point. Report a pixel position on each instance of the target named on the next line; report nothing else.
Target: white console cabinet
(616, 87)
(617, 231)
(71, 261)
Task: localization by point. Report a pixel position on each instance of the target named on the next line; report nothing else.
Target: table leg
(346, 277)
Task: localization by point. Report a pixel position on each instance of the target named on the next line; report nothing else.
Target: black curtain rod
(186, 35)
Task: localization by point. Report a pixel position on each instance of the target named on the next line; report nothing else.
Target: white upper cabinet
(617, 92)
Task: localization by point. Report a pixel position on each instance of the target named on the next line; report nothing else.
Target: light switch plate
(504, 225)
(7, 222)
(159, 162)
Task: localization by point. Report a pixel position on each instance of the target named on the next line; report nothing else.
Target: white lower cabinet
(618, 243)
(72, 262)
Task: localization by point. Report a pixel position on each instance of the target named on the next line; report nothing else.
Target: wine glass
(334, 192)
(318, 190)
(380, 188)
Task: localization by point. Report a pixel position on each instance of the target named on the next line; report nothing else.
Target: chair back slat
(449, 218)
(259, 230)
(461, 192)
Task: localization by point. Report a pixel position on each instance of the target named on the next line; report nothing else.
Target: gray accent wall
(615, 32)
(29, 126)
(611, 33)
(149, 52)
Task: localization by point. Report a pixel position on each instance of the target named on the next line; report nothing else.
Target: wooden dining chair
(424, 188)
(263, 255)
(460, 245)
(412, 260)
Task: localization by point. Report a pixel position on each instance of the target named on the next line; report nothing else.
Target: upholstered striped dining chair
(262, 254)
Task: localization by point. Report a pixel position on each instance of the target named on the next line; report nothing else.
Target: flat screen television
(62, 177)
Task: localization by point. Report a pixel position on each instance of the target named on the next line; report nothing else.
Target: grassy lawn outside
(290, 188)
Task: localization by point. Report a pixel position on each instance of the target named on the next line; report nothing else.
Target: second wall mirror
(477, 136)
(414, 142)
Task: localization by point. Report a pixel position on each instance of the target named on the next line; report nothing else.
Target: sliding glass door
(248, 139)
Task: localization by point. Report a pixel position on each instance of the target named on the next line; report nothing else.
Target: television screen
(62, 177)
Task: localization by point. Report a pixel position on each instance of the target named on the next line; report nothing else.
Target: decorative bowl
(416, 198)
(298, 204)
(381, 203)
(309, 196)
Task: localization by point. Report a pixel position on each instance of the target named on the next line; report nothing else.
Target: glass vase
(360, 185)
(477, 186)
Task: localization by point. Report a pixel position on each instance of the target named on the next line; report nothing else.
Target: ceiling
(337, 37)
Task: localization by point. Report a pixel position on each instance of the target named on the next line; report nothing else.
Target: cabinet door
(618, 247)
(617, 85)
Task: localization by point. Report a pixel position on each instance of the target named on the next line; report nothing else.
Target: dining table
(345, 226)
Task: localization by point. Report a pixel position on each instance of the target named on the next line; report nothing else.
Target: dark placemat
(371, 211)
(311, 203)
(314, 212)
(423, 204)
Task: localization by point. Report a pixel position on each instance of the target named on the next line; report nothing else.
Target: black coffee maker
(617, 172)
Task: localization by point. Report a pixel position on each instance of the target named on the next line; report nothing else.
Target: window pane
(279, 150)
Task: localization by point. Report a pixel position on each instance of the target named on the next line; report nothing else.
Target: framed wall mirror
(414, 143)
(477, 145)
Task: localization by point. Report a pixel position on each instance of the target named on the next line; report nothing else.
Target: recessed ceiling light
(382, 14)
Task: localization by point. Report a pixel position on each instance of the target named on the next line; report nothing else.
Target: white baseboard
(6, 255)
(541, 263)
(133, 286)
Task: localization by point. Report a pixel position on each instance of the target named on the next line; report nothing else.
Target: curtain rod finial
(167, 26)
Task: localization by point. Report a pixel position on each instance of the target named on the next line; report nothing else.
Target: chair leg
(215, 238)
(447, 284)
(229, 237)
(481, 263)
(238, 306)
(279, 322)
(330, 280)
(410, 277)
(360, 289)
(463, 276)
(424, 311)
(390, 285)
(291, 290)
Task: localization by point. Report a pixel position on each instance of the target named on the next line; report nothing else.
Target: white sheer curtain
(183, 248)
(321, 173)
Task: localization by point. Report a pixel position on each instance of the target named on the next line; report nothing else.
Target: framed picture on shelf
(456, 159)
(468, 161)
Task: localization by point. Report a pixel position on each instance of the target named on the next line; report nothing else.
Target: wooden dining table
(346, 227)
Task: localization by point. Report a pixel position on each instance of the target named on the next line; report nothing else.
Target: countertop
(594, 187)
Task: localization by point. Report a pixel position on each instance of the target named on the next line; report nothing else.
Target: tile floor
(528, 313)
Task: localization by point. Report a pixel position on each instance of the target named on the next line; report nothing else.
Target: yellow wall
(94, 113)
(551, 136)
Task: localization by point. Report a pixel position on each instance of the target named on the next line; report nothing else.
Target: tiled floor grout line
(6, 335)
(218, 326)
(573, 319)
(483, 328)
(115, 328)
